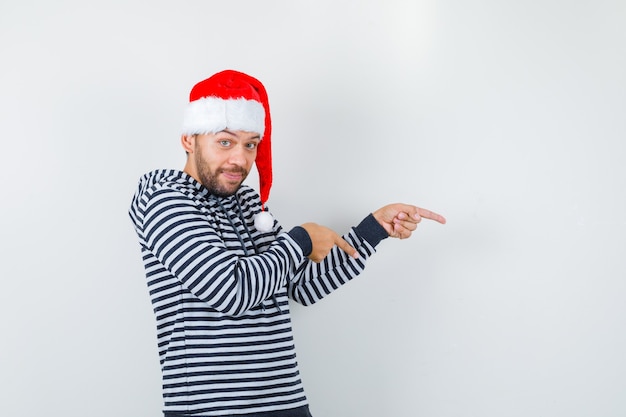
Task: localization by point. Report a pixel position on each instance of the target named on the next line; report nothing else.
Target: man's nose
(237, 155)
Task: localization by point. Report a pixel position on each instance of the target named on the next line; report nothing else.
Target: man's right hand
(323, 240)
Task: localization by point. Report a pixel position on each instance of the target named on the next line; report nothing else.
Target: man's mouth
(233, 175)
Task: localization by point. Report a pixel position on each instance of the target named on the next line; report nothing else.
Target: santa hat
(234, 100)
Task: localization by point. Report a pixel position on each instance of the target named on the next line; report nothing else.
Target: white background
(508, 117)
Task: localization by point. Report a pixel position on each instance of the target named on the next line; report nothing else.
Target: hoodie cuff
(370, 230)
(302, 238)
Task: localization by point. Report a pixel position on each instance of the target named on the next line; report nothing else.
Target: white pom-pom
(264, 222)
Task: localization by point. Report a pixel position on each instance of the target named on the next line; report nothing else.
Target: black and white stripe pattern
(219, 290)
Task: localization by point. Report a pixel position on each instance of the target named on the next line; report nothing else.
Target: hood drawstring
(243, 244)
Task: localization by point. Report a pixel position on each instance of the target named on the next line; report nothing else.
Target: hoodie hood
(170, 178)
(184, 183)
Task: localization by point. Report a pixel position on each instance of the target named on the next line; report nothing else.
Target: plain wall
(507, 117)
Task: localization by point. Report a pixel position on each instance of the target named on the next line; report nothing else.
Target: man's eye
(224, 142)
(252, 145)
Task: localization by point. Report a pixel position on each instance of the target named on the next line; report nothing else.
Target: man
(220, 270)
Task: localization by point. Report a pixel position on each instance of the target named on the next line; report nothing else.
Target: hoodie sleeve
(176, 232)
(314, 281)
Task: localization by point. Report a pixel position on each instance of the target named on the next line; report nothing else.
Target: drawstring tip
(276, 303)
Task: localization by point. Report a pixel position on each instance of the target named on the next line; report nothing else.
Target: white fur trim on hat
(213, 114)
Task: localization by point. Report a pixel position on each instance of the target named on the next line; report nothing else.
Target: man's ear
(188, 142)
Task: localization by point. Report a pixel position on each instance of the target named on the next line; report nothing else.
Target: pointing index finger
(346, 247)
(431, 215)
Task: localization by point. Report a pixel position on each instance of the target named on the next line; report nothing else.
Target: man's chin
(225, 191)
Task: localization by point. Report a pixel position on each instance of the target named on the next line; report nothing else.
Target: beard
(211, 179)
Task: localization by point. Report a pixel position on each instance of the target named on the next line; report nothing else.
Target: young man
(220, 270)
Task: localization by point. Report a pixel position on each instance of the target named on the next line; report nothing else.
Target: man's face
(223, 160)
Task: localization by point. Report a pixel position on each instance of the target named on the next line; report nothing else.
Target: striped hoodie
(220, 292)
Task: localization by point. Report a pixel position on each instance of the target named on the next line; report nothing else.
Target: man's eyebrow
(230, 132)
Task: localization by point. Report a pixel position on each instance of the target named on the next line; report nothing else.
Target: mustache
(234, 170)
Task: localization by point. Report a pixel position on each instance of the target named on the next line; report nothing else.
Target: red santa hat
(234, 100)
